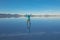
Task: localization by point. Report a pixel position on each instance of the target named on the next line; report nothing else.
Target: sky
(29, 6)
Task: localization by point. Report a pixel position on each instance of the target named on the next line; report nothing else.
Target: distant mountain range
(9, 15)
(18, 15)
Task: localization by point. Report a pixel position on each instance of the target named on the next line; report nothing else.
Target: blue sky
(23, 6)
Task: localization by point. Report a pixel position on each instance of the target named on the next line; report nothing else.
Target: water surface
(41, 29)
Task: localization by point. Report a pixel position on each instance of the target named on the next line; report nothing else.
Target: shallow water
(41, 29)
